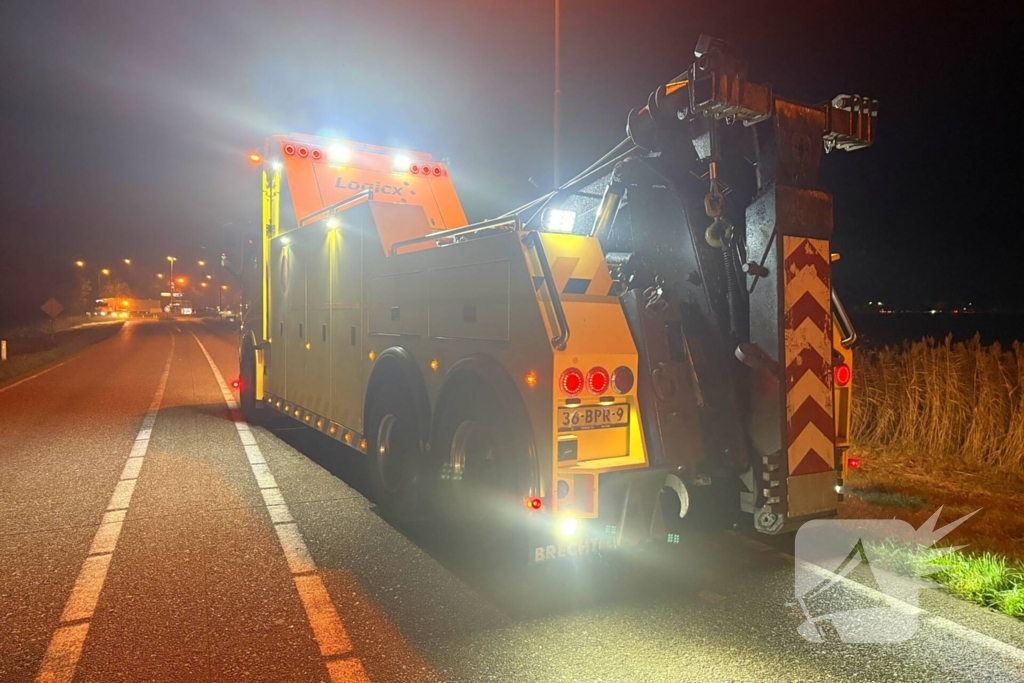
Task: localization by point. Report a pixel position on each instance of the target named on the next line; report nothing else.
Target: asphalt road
(147, 536)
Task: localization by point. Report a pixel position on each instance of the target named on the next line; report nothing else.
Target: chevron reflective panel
(809, 424)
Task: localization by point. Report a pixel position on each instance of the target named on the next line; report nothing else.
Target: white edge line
(321, 613)
(965, 632)
(25, 379)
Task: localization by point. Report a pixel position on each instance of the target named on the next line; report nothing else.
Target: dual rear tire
(467, 479)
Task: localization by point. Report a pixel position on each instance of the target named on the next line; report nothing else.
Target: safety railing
(365, 195)
(845, 324)
(448, 236)
(560, 340)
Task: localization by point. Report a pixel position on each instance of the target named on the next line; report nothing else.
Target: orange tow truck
(653, 345)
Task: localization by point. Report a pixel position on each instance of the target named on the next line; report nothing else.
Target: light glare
(338, 154)
(560, 220)
(402, 162)
(568, 526)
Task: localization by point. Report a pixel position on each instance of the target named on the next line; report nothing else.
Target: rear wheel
(476, 463)
(252, 410)
(392, 447)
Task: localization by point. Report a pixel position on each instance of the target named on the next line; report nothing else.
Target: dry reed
(959, 404)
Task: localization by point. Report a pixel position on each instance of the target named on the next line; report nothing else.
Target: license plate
(581, 418)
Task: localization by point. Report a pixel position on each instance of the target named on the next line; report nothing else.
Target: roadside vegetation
(985, 579)
(962, 403)
(938, 423)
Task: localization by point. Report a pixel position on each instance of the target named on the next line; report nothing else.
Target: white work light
(568, 526)
(559, 220)
(402, 162)
(338, 154)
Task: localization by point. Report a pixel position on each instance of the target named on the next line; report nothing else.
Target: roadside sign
(52, 308)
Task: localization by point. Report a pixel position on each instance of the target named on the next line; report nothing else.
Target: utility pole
(558, 81)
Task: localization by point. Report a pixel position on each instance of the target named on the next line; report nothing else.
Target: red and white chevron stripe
(809, 420)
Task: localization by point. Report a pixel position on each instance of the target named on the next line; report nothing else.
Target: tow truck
(654, 343)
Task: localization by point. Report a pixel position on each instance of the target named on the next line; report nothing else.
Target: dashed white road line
(65, 648)
(328, 630)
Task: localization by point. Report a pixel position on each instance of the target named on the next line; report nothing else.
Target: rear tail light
(597, 381)
(571, 382)
(622, 380)
(843, 374)
(533, 503)
(854, 463)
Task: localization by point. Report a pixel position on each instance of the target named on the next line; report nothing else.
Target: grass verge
(985, 579)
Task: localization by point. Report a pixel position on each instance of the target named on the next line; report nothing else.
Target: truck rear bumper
(628, 517)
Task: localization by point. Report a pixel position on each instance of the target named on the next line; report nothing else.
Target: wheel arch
(487, 370)
(397, 364)
(247, 342)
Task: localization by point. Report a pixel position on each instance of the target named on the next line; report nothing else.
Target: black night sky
(125, 125)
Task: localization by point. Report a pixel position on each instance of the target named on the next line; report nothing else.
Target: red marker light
(414, 168)
(255, 158)
(597, 381)
(303, 152)
(316, 154)
(533, 503)
(289, 149)
(437, 170)
(235, 384)
(426, 170)
(843, 374)
(622, 380)
(854, 463)
(571, 382)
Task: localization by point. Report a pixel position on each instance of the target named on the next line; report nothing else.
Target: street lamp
(80, 264)
(220, 297)
(201, 263)
(127, 261)
(558, 81)
(172, 259)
